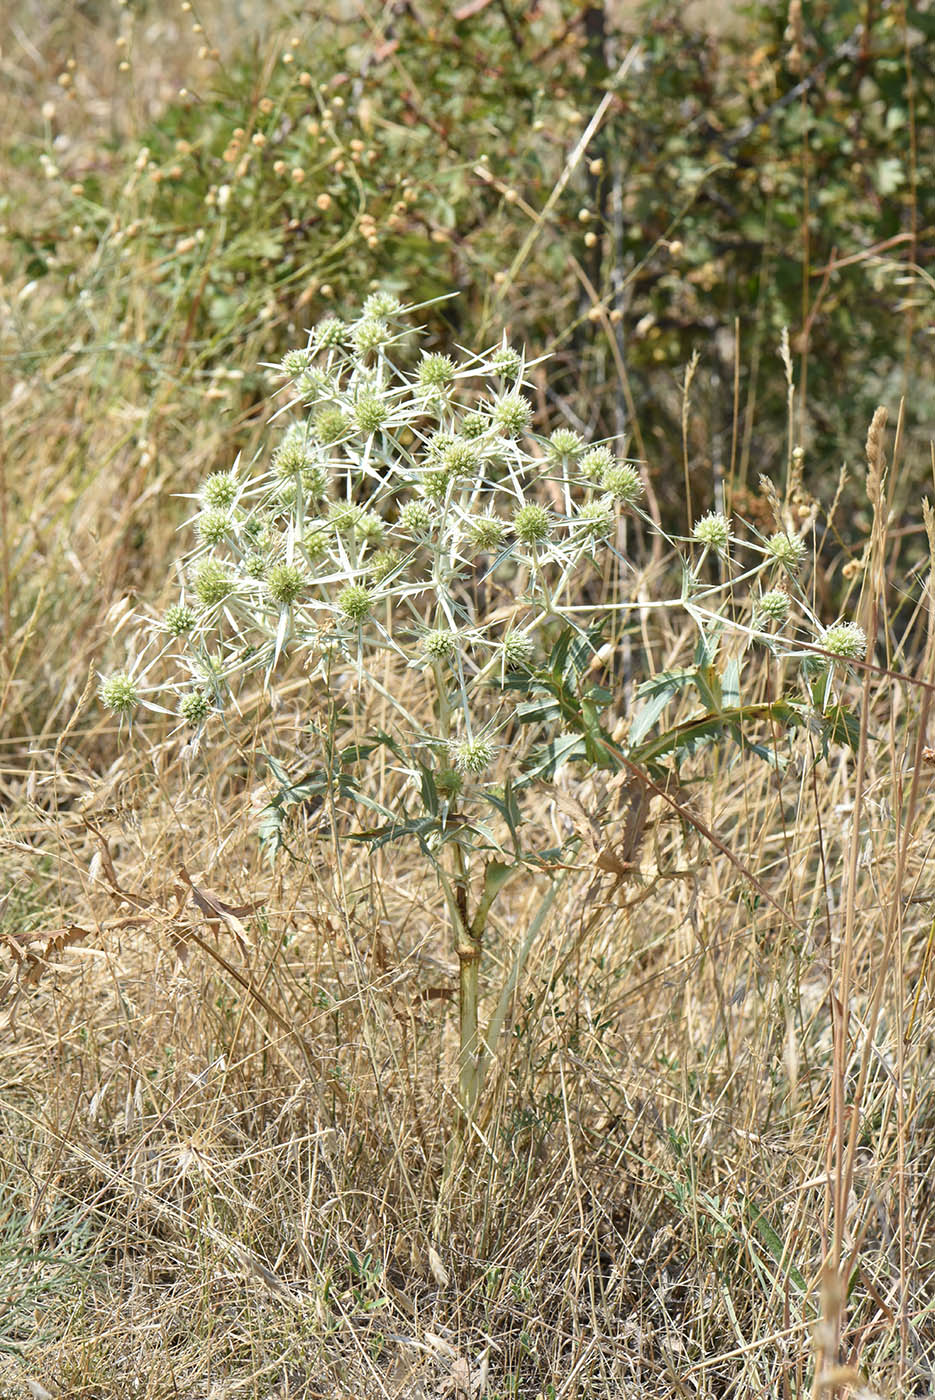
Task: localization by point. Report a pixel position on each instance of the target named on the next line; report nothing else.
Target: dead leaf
(38, 1391)
(438, 1270)
(215, 910)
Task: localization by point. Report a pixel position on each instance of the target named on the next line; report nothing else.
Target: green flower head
(369, 527)
(435, 373)
(460, 457)
(788, 550)
(435, 484)
(344, 516)
(439, 643)
(355, 602)
(329, 333)
(772, 606)
(623, 483)
(713, 531)
(512, 414)
(449, 783)
(564, 445)
(195, 707)
(295, 362)
(506, 362)
(596, 462)
(487, 532)
(285, 582)
(255, 564)
(369, 335)
(472, 755)
(380, 305)
(315, 482)
(415, 518)
(845, 639)
(212, 583)
(595, 519)
(473, 425)
(531, 524)
(214, 526)
(329, 426)
(292, 456)
(315, 541)
(178, 620)
(119, 694)
(383, 563)
(518, 650)
(219, 491)
(370, 413)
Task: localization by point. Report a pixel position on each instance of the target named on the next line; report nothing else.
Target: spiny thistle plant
(410, 524)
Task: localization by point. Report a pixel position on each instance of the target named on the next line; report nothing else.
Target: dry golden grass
(704, 1159)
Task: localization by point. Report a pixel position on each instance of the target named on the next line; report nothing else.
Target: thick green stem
(470, 946)
(468, 943)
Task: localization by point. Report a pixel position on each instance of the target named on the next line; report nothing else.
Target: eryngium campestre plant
(410, 538)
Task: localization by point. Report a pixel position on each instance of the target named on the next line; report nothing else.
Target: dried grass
(705, 1158)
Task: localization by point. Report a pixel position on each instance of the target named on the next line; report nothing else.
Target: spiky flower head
(595, 519)
(383, 563)
(381, 304)
(472, 755)
(512, 414)
(294, 363)
(370, 334)
(487, 532)
(214, 526)
(415, 518)
(329, 426)
(292, 456)
(844, 639)
(436, 373)
(531, 524)
(284, 583)
(178, 620)
(506, 362)
(195, 707)
(370, 413)
(355, 602)
(713, 531)
(316, 539)
(564, 445)
(219, 491)
(518, 649)
(439, 644)
(315, 384)
(460, 457)
(369, 527)
(596, 462)
(315, 482)
(788, 550)
(255, 564)
(772, 606)
(119, 693)
(344, 516)
(329, 333)
(212, 582)
(437, 445)
(287, 494)
(473, 425)
(623, 483)
(435, 484)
